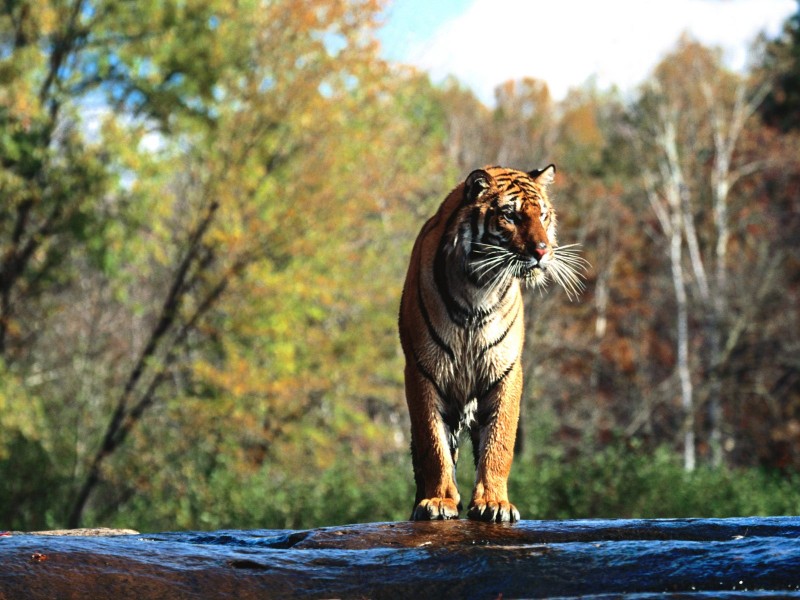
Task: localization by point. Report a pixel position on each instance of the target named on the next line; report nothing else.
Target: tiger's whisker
(483, 267)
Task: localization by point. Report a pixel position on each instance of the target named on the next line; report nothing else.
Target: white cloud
(566, 42)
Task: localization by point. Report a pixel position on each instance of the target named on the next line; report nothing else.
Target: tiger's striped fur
(461, 329)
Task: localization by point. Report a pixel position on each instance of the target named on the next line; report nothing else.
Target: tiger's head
(512, 230)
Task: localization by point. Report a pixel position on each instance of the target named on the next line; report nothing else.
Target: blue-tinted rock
(447, 559)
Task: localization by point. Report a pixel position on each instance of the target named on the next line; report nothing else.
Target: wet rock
(93, 532)
(448, 559)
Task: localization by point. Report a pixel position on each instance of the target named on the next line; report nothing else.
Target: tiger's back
(462, 331)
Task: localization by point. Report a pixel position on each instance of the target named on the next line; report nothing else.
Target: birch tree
(696, 116)
(667, 197)
(728, 118)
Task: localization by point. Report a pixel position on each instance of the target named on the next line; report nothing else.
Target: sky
(567, 42)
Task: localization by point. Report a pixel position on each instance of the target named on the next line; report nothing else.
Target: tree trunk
(682, 324)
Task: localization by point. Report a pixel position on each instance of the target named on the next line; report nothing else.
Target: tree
(781, 62)
(58, 57)
(523, 123)
(253, 157)
(245, 100)
(471, 139)
(694, 115)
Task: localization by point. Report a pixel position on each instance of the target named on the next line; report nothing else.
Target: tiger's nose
(539, 250)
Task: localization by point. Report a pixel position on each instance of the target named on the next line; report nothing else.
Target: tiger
(461, 331)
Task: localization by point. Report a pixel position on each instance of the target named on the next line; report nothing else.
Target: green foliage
(31, 484)
(29, 500)
(781, 62)
(627, 481)
(618, 481)
(274, 497)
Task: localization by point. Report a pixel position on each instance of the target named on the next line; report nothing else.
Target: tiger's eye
(510, 215)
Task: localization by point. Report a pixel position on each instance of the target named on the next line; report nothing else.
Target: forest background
(206, 212)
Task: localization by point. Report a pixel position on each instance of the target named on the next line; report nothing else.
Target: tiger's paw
(435, 509)
(493, 512)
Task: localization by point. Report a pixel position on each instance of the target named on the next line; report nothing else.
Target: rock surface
(447, 559)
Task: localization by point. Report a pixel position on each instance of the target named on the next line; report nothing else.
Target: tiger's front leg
(498, 414)
(434, 472)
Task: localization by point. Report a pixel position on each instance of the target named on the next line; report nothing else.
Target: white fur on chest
(479, 353)
(479, 360)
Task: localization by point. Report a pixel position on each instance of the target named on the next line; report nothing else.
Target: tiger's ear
(544, 177)
(476, 185)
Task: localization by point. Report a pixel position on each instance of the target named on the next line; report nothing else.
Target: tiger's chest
(481, 357)
(467, 357)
